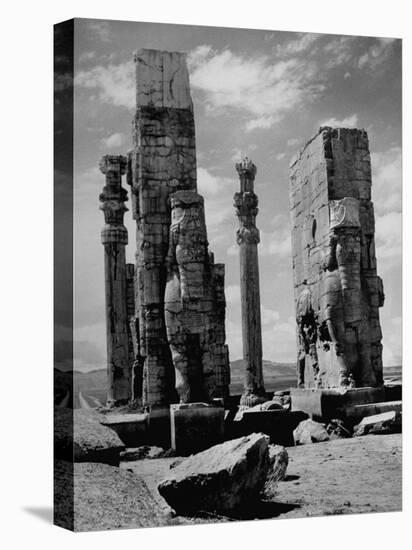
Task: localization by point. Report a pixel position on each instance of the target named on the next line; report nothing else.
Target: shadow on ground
(263, 509)
(44, 513)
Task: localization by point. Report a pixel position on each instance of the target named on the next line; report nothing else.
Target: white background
(26, 270)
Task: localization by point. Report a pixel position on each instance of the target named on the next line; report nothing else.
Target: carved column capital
(113, 198)
(246, 204)
(247, 172)
(113, 164)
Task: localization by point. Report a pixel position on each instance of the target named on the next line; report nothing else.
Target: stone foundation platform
(277, 424)
(195, 426)
(326, 404)
(133, 429)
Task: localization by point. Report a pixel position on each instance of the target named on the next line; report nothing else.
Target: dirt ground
(345, 476)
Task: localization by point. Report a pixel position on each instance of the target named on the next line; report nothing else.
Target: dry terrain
(344, 476)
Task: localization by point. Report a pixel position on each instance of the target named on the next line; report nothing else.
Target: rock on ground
(309, 431)
(344, 476)
(78, 434)
(106, 497)
(337, 429)
(387, 422)
(145, 451)
(220, 479)
(278, 459)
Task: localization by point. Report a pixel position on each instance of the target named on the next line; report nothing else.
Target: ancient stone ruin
(247, 237)
(337, 290)
(177, 328)
(114, 239)
(166, 350)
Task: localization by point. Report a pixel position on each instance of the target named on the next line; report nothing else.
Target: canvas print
(227, 274)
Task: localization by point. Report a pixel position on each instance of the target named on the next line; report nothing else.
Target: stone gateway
(337, 290)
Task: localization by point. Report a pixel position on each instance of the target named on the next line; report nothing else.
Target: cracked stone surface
(337, 290)
(161, 165)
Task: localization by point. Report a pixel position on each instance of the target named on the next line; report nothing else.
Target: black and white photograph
(228, 274)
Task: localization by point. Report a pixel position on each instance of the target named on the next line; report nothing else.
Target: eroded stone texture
(247, 236)
(220, 479)
(193, 331)
(337, 290)
(114, 239)
(163, 162)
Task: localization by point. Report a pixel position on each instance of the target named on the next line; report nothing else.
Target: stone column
(247, 237)
(114, 240)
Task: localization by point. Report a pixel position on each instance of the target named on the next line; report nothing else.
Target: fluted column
(114, 240)
(247, 236)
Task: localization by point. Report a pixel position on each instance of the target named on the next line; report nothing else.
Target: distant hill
(277, 376)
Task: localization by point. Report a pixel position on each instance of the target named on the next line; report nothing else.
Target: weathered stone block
(334, 262)
(387, 422)
(310, 431)
(195, 427)
(221, 479)
(80, 436)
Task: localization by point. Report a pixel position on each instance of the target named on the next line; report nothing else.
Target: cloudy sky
(260, 93)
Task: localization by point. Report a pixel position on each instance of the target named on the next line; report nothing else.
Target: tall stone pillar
(114, 240)
(338, 292)
(247, 236)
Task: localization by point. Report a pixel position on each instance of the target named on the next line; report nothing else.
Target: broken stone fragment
(220, 479)
(337, 429)
(144, 452)
(310, 431)
(80, 436)
(388, 422)
(277, 402)
(278, 459)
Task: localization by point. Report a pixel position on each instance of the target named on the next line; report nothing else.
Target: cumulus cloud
(278, 241)
(347, 122)
(100, 29)
(113, 84)
(388, 235)
(376, 54)
(301, 44)
(260, 88)
(279, 340)
(84, 57)
(387, 198)
(114, 140)
(232, 294)
(293, 141)
(209, 184)
(387, 180)
(392, 342)
(269, 316)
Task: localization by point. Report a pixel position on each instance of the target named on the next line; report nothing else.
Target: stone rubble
(309, 431)
(384, 423)
(279, 459)
(220, 479)
(80, 436)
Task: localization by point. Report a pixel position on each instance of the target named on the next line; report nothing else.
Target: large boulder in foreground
(278, 460)
(220, 479)
(310, 431)
(80, 436)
